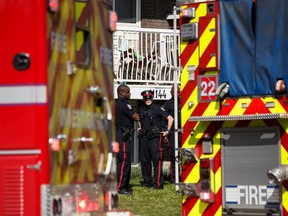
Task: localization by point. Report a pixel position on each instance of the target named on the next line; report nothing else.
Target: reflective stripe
(239, 117)
(28, 94)
(20, 152)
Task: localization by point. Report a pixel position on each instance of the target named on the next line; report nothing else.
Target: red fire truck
(234, 107)
(57, 108)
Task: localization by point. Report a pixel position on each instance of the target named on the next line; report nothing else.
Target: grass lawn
(149, 202)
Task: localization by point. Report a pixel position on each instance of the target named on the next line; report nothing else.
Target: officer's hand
(139, 132)
(166, 141)
(165, 133)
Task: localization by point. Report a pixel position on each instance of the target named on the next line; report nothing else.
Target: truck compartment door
(247, 155)
(20, 184)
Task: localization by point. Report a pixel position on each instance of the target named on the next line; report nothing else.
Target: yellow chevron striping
(213, 180)
(278, 107)
(183, 7)
(284, 124)
(77, 148)
(193, 60)
(79, 7)
(198, 208)
(202, 207)
(197, 134)
(237, 109)
(207, 73)
(212, 109)
(194, 175)
(283, 155)
(183, 45)
(200, 12)
(186, 110)
(207, 36)
(191, 141)
(218, 180)
(212, 62)
(55, 59)
(219, 212)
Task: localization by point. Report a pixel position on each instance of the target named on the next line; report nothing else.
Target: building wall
(154, 13)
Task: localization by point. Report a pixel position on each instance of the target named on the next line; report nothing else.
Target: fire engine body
(56, 108)
(234, 146)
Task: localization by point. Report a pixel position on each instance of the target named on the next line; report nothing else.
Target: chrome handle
(35, 166)
(104, 101)
(94, 90)
(60, 137)
(72, 159)
(108, 107)
(83, 139)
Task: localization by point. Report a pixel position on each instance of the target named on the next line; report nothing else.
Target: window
(128, 12)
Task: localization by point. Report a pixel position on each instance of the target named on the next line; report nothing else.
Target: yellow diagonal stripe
(207, 36)
(277, 108)
(237, 109)
(194, 175)
(218, 180)
(198, 208)
(283, 155)
(199, 129)
(285, 198)
(212, 62)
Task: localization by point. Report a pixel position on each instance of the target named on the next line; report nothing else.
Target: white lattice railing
(145, 56)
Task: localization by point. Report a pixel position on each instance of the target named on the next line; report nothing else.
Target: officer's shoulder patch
(129, 106)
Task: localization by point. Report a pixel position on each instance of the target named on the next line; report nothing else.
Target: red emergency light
(207, 197)
(55, 144)
(85, 205)
(112, 21)
(205, 163)
(206, 184)
(53, 5)
(188, 13)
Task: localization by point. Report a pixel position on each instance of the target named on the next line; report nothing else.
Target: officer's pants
(151, 150)
(123, 162)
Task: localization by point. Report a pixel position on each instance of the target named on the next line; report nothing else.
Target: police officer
(125, 117)
(152, 119)
(169, 107)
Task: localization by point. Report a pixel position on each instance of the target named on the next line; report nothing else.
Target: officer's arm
(136, 118)
(169, 125)
(170, 122)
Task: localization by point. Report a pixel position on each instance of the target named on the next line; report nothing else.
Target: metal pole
(175, 97)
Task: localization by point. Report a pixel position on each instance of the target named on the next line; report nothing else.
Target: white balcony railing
(145, 56)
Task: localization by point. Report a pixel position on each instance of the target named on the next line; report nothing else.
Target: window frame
(138, 16)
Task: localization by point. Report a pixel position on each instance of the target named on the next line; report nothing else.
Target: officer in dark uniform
(169, 107)
(125, 117)
(152, 118)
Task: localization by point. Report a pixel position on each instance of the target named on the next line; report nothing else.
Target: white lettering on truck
(106, 55)
(252, 194)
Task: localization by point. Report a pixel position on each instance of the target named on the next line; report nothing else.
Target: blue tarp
(271, 44)
(254, 45)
